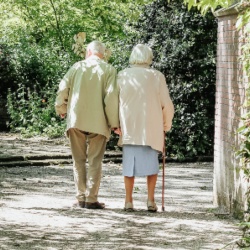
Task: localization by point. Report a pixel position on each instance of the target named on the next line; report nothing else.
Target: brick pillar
(229, 184)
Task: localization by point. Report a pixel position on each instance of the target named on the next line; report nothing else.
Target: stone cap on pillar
(234, 9)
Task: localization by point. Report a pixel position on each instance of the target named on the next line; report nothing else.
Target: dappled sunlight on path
(37, 212)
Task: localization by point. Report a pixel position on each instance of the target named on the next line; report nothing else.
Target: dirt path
(36, 212)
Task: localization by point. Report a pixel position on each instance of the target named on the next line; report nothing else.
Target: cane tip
(162, 209)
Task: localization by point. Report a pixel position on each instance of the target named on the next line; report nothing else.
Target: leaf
(191, 3)
(239, 22)
(242, 128)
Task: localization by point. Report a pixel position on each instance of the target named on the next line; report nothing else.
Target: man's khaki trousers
(92, 147)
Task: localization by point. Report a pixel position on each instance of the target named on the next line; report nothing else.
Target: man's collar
(139, 66)
(93, 57)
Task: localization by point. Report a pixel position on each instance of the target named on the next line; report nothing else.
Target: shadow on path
(36, 212)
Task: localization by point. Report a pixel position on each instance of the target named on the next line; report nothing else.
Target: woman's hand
(118, 131)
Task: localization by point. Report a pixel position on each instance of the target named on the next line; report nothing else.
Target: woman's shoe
(129, 207)
(152, 206)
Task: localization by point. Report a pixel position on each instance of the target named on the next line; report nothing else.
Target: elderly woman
(146, 110)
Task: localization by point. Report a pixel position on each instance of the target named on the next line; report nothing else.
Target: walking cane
(163, 173)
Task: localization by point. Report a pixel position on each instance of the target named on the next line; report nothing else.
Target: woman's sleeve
(167, 105)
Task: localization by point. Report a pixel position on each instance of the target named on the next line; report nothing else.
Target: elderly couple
(135, 104)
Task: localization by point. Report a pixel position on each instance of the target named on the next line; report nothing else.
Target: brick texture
(229, 183)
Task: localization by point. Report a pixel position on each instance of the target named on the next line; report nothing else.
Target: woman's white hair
(141, 54)
(96, 47)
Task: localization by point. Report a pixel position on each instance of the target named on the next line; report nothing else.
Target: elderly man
(88, 94)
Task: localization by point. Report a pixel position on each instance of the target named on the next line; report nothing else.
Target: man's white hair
(141, 54)
(96, 47)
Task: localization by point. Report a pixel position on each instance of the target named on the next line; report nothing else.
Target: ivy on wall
(244, 152)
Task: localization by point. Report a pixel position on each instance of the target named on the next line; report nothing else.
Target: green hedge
(36, 72)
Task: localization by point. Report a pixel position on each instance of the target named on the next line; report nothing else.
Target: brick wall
(229, 184)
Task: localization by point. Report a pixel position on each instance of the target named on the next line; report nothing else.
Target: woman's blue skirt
(139, 160)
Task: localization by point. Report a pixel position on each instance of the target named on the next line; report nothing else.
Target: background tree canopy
(36, 50)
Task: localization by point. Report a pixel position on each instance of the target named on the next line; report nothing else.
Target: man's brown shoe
(94, 205)
(81, 204)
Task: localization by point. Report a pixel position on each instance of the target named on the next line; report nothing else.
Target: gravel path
(37, 212)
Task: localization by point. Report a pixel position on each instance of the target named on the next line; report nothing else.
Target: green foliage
(243, 153)
(6, 69)
(36, 39)
(41, 57)
(244, 242)
(57, 21)
(184, 46)
(31, 115)
(207, 5)
(39, 62)
(37, 72)
(29, 63)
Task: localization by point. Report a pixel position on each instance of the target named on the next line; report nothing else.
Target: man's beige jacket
(146, 109)
(89, 95)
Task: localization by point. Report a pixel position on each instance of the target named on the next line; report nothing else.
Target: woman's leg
(129, 186)
(151, 182)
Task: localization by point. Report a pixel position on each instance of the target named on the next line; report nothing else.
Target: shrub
(6, 69)
(31, 100)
